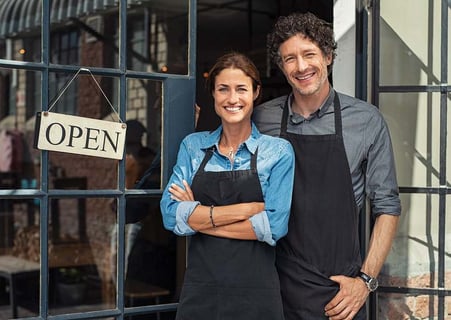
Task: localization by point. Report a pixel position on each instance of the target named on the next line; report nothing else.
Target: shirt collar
(213, 137)
(321, 110)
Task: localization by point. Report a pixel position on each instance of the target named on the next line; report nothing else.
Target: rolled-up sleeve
(272, 224)
(176, 213)
(183, 212)
(262, 229)
(381, 182)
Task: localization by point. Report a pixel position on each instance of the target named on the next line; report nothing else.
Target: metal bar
(443, 157)
(44, 203)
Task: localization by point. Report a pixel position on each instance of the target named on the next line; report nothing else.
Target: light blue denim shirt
(275, 166)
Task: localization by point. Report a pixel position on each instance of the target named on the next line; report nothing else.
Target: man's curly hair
(306, 24)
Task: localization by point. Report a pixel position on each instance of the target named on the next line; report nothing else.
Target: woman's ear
(257, 93)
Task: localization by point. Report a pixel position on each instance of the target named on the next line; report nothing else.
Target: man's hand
(348, 301)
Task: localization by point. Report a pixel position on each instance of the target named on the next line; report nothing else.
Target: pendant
(230, 154)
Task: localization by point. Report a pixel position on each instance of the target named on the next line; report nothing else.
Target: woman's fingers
(188, 190)
(180, 194)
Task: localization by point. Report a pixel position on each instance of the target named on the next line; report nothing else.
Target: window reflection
(80, 269)
(157, 39)
(150, 250)
(19, 257)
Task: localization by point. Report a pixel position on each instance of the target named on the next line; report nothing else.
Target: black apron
(228, 278)
(323, 228)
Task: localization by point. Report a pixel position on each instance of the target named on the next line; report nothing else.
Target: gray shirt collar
(323, 108)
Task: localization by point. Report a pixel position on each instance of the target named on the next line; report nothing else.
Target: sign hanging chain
(96, 82)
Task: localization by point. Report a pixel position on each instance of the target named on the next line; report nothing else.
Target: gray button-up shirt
(366, 139)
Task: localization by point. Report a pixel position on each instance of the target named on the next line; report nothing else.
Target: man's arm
(353, 291)
(384, 232)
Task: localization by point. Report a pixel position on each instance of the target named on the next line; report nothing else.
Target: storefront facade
(66, 222)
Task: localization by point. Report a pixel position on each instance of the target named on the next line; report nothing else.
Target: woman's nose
(233, 97)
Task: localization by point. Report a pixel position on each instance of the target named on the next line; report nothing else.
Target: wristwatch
(371, 283)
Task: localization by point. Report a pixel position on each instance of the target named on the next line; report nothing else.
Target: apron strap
(254, 161)
(208, 155)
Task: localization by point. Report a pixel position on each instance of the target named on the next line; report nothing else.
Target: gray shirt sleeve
(367, 142)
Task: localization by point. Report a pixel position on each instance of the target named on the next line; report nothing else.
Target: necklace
(230, 153)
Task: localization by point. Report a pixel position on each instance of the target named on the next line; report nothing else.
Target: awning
(19, 16)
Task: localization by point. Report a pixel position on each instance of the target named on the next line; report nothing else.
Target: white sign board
(79, 135)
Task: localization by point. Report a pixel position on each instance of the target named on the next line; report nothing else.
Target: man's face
(304, 65)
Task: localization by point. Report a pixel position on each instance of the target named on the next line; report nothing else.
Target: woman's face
(234, 96)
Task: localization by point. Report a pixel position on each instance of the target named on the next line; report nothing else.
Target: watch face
(372, 284)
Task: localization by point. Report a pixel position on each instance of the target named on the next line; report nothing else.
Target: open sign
(79, 135)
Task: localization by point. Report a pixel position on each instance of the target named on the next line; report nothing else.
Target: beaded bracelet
(211, 216)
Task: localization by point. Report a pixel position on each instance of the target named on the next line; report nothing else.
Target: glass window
(144, 116)
(410, 47)
(20, 23)
(21, 96)
(413, 120)
(19, 256)
(82, 264)
(151, 274)
(158, 36)
(412, 261)
(66, 103)
(403, 306)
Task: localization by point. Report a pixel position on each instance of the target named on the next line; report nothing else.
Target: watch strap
(371, 283)
(364, 276)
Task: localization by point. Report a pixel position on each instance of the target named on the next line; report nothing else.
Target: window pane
(158, 36)
(82, 266)
(143, 133)
(81, 33)
(411, 46)
(21, 98)
(414, 119)
(20, 30)
(19, 258)
(151, 255)
(413, 260)
(71, 171)
(400, 306)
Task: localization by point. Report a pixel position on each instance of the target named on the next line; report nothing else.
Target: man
(343, 155)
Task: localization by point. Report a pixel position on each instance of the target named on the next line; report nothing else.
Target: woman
(231, 190)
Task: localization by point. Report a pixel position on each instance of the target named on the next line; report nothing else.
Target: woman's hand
(181, 194)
